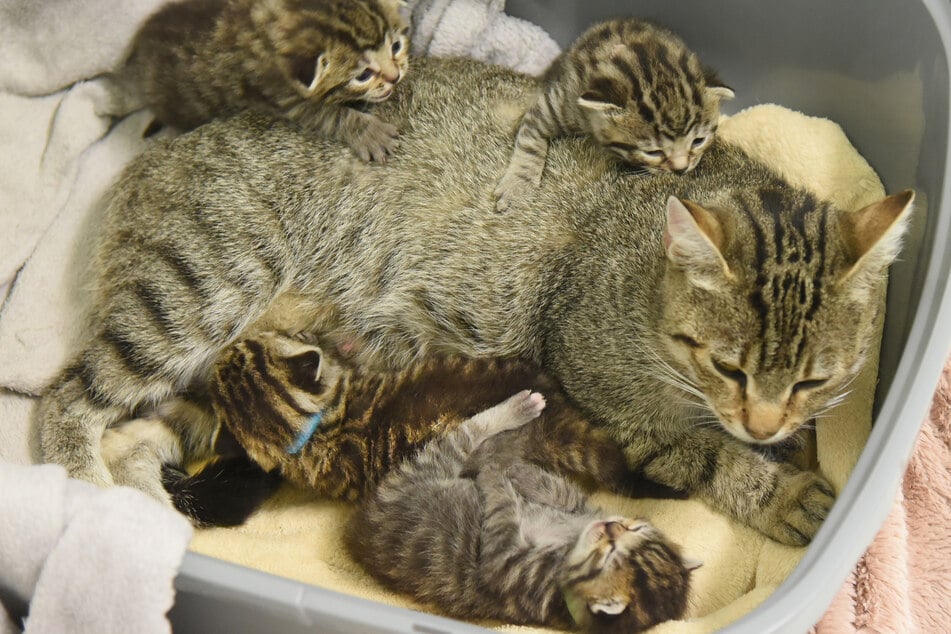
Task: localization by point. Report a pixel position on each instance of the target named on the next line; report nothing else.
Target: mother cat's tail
(72, 417)
(120, 370)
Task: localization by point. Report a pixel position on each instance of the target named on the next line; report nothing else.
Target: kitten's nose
(679, 163)
(390, 72)
(614, 529)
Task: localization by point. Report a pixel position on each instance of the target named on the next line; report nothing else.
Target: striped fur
(623, 297)
(266, 389)
(473, 528)
(632, 86)
(195, 60)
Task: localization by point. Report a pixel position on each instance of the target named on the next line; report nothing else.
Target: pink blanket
(903, 582)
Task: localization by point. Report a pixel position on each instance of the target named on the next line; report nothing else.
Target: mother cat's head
(770, 302)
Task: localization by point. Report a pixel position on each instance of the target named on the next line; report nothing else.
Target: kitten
(312, 61)
(223, 486)
(635, 88)
(337, 429)
(725, 296)
(475, 529)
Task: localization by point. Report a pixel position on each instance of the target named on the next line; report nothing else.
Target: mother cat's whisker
(670, 375)
(701, 417)
(714, 424)
(832, 403)
(681, 385)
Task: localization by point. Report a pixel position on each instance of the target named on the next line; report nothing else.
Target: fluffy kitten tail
(224, 493)
(566, 442)
(571, 445)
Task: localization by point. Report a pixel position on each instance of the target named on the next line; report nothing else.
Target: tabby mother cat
(653, 301)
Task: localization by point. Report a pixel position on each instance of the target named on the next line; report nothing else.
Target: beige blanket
(300, 537)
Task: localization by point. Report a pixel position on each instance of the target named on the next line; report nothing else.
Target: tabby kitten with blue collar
(473, 528)
(315, 62)
(635, 88)
(337, 428)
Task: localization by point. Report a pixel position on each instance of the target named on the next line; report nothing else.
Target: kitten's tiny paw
(799, 506)
(377, 141)
(511, 187)
(523, 407)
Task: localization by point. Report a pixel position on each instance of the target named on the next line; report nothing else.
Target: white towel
(481, 30)
(47, 46)
(75, 558)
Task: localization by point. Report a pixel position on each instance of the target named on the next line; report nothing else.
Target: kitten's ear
(723, 93)
(693, 239)
(691, 564)
(603, 95)
(611, 607)
(308, 71)
(715, 86)
(589, 101)
(873, 234)
(304, 368)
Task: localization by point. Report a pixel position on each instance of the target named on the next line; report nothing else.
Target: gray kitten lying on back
(472, 527)
(724, 292)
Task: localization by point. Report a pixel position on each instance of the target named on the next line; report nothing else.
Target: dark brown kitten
(307, 60)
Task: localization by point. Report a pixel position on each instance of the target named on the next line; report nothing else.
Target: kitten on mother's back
(633, 87)
(311, 61)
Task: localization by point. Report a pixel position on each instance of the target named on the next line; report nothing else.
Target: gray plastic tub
(879, 69)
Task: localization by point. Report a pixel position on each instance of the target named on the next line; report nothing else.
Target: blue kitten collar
(306, 433)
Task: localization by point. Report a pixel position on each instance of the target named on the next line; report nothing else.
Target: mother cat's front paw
(799, 504)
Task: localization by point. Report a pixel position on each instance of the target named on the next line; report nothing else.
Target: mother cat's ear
(693, 240)
(873, 236)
